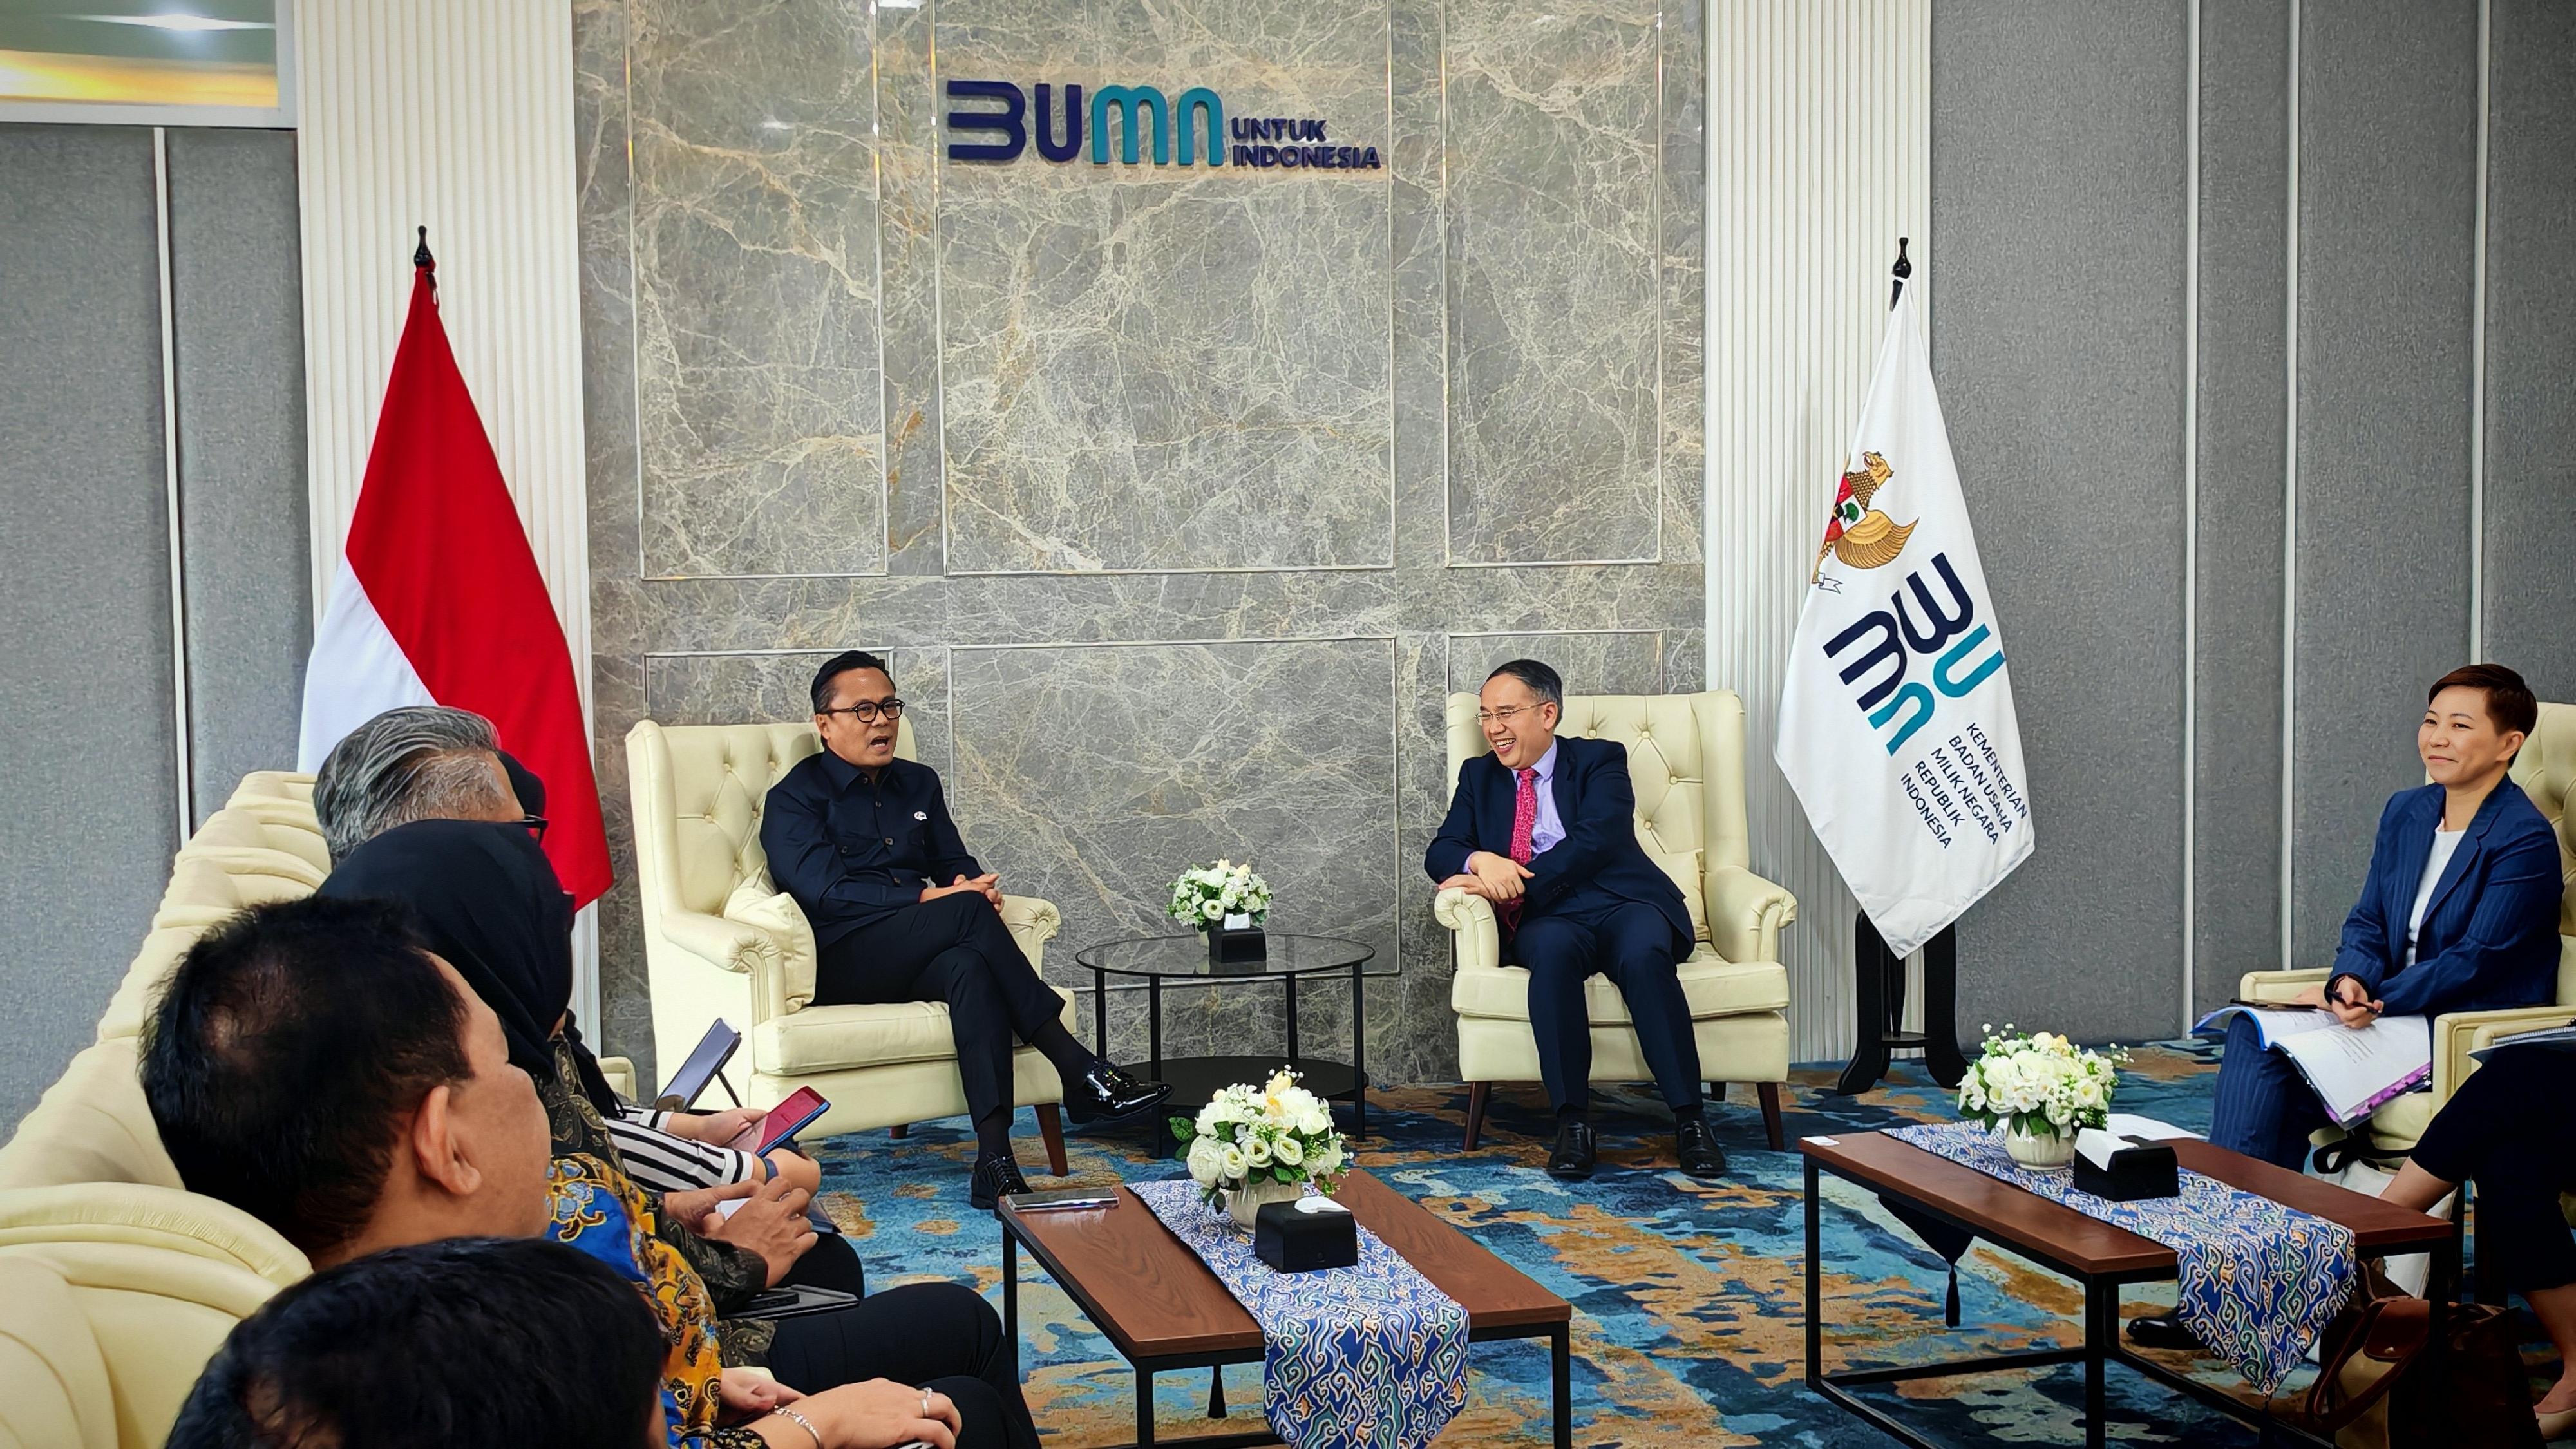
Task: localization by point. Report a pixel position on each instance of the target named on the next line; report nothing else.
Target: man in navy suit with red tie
(1545, 829)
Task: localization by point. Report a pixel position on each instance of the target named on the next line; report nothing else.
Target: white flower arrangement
(1277, 1132)
(2041, 1083)
(1206, 894)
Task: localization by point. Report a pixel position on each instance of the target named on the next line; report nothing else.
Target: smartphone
(1062, 1199)
(795, 1301)
(783, 1122)
(706, 1059)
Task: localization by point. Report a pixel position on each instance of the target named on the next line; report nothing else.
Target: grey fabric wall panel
(2387, 198)
(2531, 346)
(2244, 418)
(2059, 176)
(233, 260)
(84, 586)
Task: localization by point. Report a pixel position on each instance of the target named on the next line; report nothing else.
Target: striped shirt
(661, 1162)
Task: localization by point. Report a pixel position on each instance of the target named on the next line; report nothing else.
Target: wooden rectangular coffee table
(1164, 1310)
(2096, 1254)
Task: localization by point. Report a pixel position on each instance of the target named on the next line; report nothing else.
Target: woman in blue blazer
(2460, 913)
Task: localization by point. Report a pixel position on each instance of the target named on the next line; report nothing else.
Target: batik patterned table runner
(1366, 1357)
(2258, 1280)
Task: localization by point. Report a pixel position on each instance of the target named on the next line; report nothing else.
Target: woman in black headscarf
(488, 901)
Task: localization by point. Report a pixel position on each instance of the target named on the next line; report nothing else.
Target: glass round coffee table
(1183, 961)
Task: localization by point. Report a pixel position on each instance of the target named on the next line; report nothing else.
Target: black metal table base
(1560, 1372)
(2100, 1349)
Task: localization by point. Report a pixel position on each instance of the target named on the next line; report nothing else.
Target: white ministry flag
(1896, 720)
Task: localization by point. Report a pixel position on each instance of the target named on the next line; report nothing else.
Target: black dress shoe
(1572, 1160)
(2164, 1330)
(995, 1176)
(1697, 1148)
(1107, 1094)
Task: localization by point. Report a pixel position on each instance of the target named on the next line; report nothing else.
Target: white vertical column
(458, 116)
(1819, 157)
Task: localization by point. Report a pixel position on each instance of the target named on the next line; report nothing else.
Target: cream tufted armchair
(2546, 770)
(698, 792)
(1686, 761)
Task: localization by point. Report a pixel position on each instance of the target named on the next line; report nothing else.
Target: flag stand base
(1878, 976)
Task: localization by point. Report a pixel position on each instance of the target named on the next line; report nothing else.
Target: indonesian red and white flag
(437, 600)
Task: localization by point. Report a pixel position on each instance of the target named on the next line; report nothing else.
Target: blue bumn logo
(1144, 124)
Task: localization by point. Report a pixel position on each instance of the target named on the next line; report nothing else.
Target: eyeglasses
(536, 825)
(867, 711)
(1504, 716)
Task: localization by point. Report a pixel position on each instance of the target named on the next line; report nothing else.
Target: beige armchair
(698, 792)
(1686, 761)
(2545, 769)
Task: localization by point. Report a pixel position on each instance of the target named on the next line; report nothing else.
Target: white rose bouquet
(1206, 894)
(2041, 1083)
(1274, 1133)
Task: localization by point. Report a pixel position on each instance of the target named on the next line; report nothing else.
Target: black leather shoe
(1107, 1094)
(2164, 1330)
(1697, 1148)
(995, 1175)
(1575, 1150)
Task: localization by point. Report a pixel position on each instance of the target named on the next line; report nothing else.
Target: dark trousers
(1631, 943)
(2264, 1108)
(2509, 1130)
(954, 949)
(938, 1336)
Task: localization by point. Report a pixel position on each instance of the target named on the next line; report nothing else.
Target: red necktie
(1524, 822)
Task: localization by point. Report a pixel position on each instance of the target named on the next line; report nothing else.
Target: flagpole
(1878, 974)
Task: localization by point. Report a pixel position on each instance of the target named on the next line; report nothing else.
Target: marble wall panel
(1554, 137)
(755, 235)
(1155, 368)
(1300, 379)
(1590, 662)
(1080, 781)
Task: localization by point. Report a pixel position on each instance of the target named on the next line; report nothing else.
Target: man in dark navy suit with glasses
(902, 912)
(1545, 828)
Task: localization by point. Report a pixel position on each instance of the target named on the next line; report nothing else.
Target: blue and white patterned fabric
(1366, 1357)
(2259, 1281)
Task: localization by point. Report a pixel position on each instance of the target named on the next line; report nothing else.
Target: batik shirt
(733, 1276)
(594, 1208)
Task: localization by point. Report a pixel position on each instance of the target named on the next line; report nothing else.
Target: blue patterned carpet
(1688, 1297)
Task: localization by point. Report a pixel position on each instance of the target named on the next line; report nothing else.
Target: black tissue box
(2125, 1169)
(1235, 948)
(1296, 1241)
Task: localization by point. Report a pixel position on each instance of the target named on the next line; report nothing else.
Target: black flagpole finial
(420, 256)
(1902, 270)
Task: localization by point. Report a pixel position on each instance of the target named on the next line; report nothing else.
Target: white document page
(2275, 1025)
(2130, 1124)
(2355, 1071)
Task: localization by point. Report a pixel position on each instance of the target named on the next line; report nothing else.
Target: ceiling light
(180, 21)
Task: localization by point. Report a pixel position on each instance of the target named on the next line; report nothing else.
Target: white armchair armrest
(2458, 1033)
(744, 949)
(2277, 985)
(1475, 936)
(1745, 914)
(1032, 922)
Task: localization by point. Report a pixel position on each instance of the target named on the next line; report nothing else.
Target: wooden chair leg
(1051, 1127)
(1477, 1093)
(899, 1131)
(1770, 1092)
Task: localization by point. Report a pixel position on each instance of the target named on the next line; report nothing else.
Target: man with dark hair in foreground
(312, 1064)
(469, 1341)
(901, 912)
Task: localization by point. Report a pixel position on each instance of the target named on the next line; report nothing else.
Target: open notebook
(2353, 1071)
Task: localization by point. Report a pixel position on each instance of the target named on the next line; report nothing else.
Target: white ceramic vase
(1244, 1203)
(2039, 1151)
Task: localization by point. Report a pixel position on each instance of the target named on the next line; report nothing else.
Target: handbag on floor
(2385, 1383)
